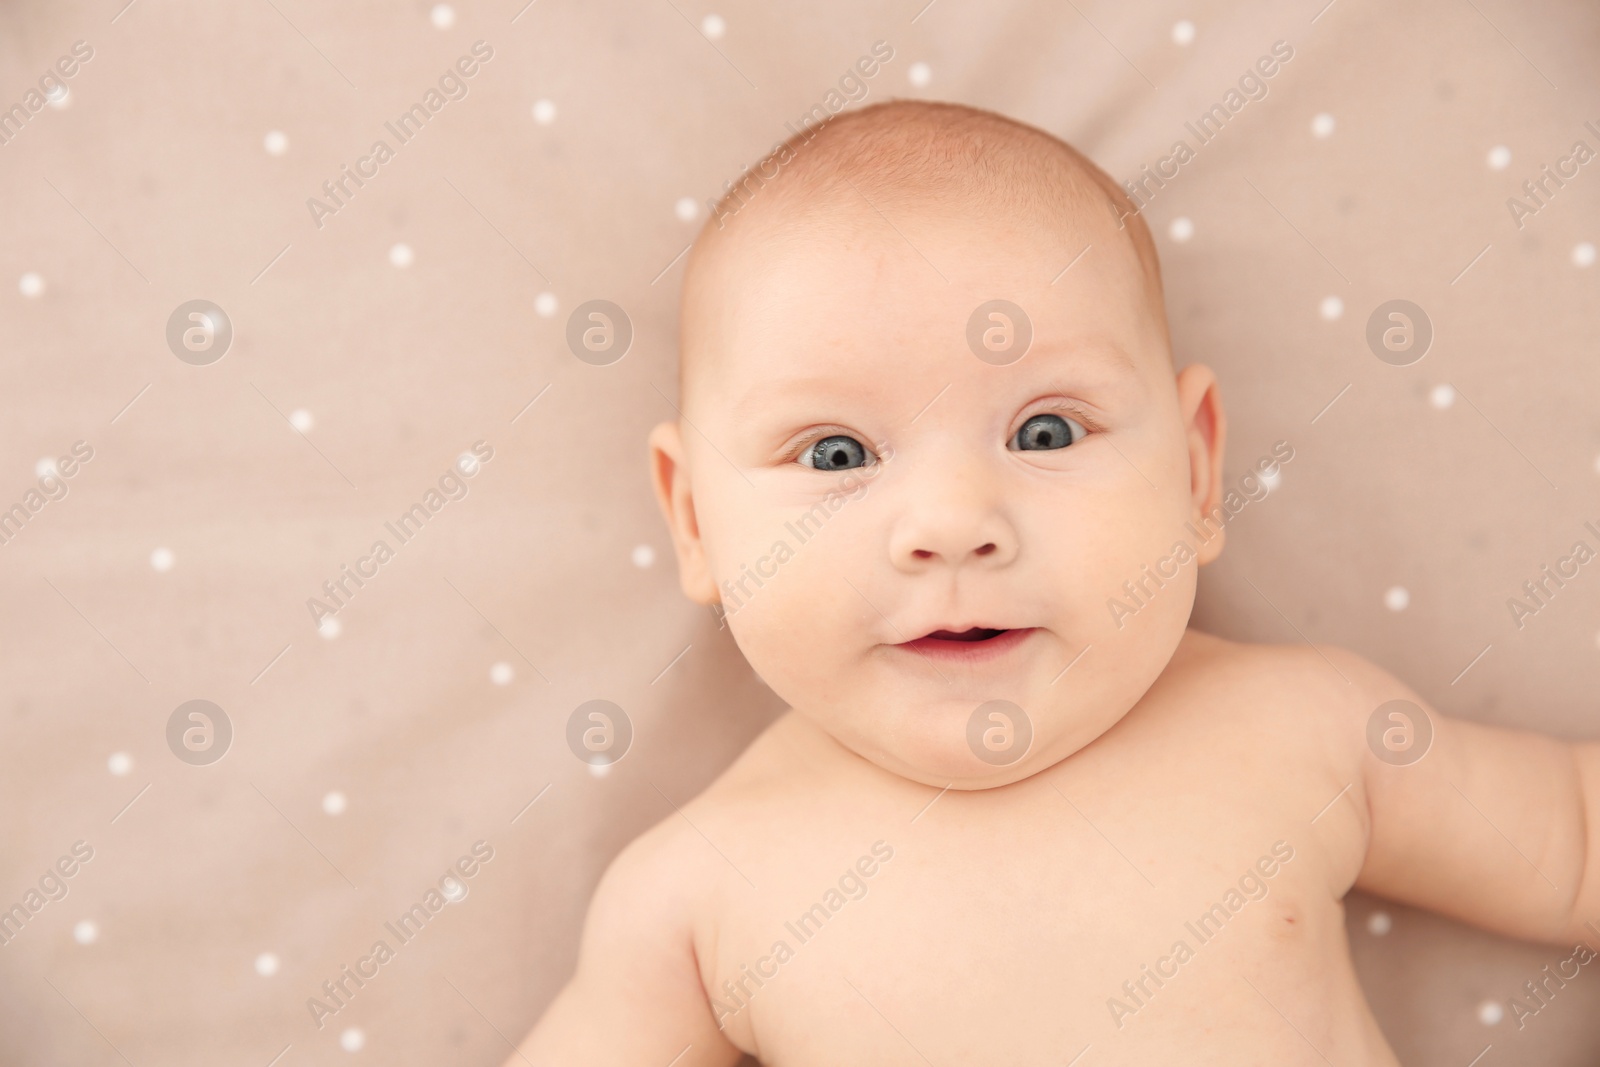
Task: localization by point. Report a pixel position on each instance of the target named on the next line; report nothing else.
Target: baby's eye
(1042, 432)
(834, 454)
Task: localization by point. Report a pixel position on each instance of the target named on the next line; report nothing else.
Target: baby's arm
(637, 997)
(1498, 828)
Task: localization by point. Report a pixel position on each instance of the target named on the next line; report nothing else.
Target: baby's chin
(956, 746)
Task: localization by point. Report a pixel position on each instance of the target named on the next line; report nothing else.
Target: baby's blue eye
(1044, 432)
(835, 454)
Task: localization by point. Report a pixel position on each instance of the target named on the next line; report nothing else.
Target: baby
(935, 465)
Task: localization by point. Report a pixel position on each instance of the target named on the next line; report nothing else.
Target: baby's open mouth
(978, 644)
(977, 633)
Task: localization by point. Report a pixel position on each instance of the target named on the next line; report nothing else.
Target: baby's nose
(955, 534)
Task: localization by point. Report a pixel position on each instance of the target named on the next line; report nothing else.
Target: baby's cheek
(794, 616)
(1142, 573)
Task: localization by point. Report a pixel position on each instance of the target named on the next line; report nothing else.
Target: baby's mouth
(979, 644)
(977, 633)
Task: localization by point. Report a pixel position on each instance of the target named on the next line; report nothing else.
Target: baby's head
(873, 450)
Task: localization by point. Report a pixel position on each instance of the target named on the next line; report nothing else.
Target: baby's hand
(637, 996)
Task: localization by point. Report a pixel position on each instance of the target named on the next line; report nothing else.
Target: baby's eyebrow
(1104, 364)
(1104, 351)
(767, 396)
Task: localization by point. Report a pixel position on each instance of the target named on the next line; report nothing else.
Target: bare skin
(1008, 918)
(966, 909)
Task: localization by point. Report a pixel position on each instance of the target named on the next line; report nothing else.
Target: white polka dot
(501, 673)
(1442, 396)
(45, 466)
(30, 285)
(920, 74)
(1182, 229)
(1499, 157)
(1322, 126)
(1397, 599)
(86, 932)
(1379, 923)
(544, 112)
(1490, 1012)
(352, 1039)
(1583, 255)
(714, 26)
(454, 890)
(443, 16)
(301, 420)
(162, 559)
(1331, 308)
(467, 464)
(266, 965)
(401, 255)
(687, 209)
(643, 556)
(59, 96)
(329, 628)
(1183, 32)
(119, 764)
(546, 305)
(599, 770)
(334, 803)
(276, 142)
(1272, 478)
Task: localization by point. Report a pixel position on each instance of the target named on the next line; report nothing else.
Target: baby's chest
(1001, 933)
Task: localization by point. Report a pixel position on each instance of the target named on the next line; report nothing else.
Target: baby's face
(861, 479)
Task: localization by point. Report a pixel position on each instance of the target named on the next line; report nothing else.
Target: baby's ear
(1206, 430)
(670, 476)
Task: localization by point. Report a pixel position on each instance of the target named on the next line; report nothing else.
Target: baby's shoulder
(766, 778)
(675, 881)
(1319, 686)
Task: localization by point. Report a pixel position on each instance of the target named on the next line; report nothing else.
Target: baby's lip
(971, 645)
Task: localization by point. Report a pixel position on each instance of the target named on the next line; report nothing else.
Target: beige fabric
(152, 187)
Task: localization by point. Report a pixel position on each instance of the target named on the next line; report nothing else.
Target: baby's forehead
(845, 256)
(847, 271)
(882, 181)
(843, 338)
